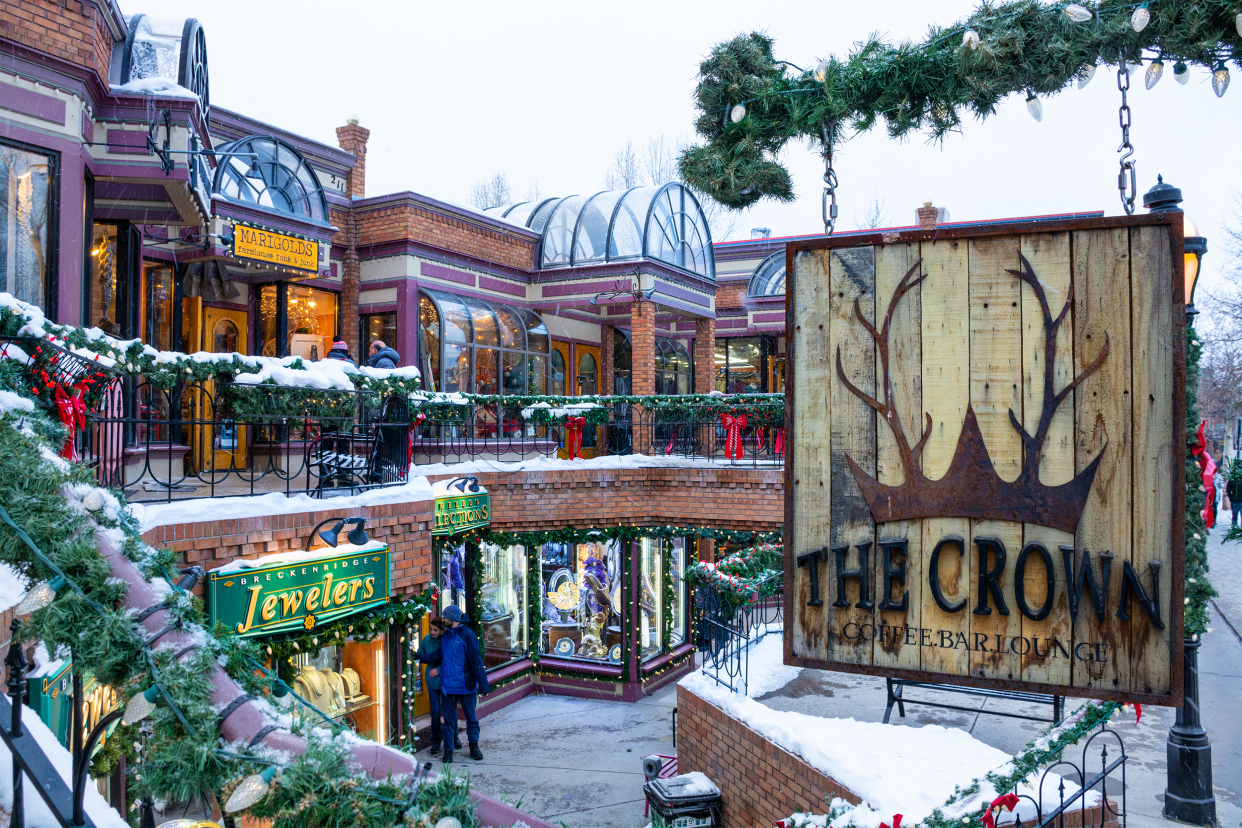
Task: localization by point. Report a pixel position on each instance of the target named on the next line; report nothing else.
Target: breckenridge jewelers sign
(275, 248)
(298, 594)
(460, 513)
(985, 483)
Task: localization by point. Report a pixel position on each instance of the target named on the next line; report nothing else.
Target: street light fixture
(1189, 796)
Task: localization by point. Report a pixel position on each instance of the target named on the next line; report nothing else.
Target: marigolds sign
(985, 481)
(462, 513)
(285, 596)
(275, 248)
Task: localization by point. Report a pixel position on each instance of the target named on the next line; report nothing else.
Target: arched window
(474, 346)
(769, 277)
(269, 173)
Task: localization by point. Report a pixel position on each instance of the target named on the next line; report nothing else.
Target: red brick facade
(407, 221)
(642, 344)
(730, 296)
(353, 139)
(704, 355)
(68, 29)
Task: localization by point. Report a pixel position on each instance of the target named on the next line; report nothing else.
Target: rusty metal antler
(1052, 399)
(888, 409)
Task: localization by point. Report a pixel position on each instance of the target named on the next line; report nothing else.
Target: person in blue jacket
(462, 679)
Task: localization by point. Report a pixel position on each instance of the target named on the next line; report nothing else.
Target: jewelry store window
(663, 599)
(582, 595)
(503, 592)
(347, 684)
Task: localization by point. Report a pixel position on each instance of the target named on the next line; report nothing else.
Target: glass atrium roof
(664, 223)
(769, 277)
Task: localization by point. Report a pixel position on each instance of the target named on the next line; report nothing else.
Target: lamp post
(1189, 796)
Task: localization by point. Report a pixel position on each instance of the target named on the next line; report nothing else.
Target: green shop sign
(51, 696)
(297, 594)
(461, 513)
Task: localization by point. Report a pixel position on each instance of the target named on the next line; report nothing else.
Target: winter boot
(448, 757)
(475, 753)
(457, 741)
(437, 743)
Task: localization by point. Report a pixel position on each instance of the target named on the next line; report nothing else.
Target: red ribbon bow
(1207, 467)
(409, 458)
(896, 822)
(573, 436)
(1009, 801)
(733, 434)
(671, 441)
(72, 411)
(779, 445)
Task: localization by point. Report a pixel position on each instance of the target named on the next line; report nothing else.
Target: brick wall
(353, 139)
(607, 339)
(67, 29)
(642, 343)
(704, 356)
(730, 296)
(400, 222)
(759, 782)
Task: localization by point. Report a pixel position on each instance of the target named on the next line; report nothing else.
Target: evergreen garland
(1022, 46)
(745, 576)
(1198, 588)
(759, 409)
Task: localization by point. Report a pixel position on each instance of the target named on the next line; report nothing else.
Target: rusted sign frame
(1172, 220)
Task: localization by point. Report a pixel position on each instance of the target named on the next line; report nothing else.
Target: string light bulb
(44, 592)
(1237, 23)
(737, 113)
(1085, 77)
(1077, 13)
(448, 822)
(1220, 79)
(1180, 73)
(971, 39)
(253, 788)
(821, 71)
(1155, 70)
(1034, 106)
(1140, 18)
(141, 705)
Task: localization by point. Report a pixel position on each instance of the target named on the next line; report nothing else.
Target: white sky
(548, 91)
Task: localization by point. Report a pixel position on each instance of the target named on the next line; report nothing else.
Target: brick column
(704, 356)
(642, 344)
(607, 336)
(353, 139)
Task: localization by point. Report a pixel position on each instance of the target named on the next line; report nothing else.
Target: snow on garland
(742, 576)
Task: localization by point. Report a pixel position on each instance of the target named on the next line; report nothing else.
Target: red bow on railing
(671, 441)
(72, 411)
(733, 426)
(896, 822)
(409, 459)
(1207, 467)
(779, 445)
(1009, 801)
(573, 436)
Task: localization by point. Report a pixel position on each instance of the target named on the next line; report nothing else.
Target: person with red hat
(340, 350)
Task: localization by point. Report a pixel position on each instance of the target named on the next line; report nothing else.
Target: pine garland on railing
(745, 576)
(751, 104)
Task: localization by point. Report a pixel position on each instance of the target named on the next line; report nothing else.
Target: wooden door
(562, 379)
(224, 445)
(587, 380)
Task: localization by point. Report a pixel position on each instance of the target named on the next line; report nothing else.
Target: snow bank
(194, 510)
(451, 488)
(10, 401)
(298, 555)
(767, 668)
(37, 813)
(573, 410)
(12, 586)
(612, 461)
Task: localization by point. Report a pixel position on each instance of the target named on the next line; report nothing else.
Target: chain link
(829, 204)
(1127, 166)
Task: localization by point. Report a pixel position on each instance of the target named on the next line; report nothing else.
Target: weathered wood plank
(1145, 667)
(893, 646)
(1049, 256)
(1103, 424)
(853, 430)
(995, 391)
(811, 456)
(946, 392)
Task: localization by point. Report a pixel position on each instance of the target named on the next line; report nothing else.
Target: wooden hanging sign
(985, 482)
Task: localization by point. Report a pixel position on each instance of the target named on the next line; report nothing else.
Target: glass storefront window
(429, 328)
(582, 595)
(537, 375)
(514, 380)
(311, 320)
(452, 571)
(651, 602)
(672, 367)
(104, 266)
(381, 326)
(483, 347)
(159, 310)
(558, 373)
(457, 368)
(741, 364)
(504, 604)
(268, 335)
(486, 375)
(347, 683)
(27, 211)
(677, 549)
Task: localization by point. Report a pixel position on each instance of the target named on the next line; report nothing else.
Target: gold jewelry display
(566, 597)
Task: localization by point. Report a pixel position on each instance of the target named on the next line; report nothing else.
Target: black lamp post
(1189, 796)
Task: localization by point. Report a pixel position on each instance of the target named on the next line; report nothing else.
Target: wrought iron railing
(216, 440)
(1076, 810)
(724, 632)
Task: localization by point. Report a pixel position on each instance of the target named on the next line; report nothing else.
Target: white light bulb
(1237, 23)
(1035, 107)
(821, 71)
(140, 706)
(1180, 73)
(971, 39)
(1140, 18)
(36, 598)
(253, 788)
(93, 500)
(1077, 13)
(737, 113)
(448, 822)
(1220, 79)
(1155, 70)
(1085, 77)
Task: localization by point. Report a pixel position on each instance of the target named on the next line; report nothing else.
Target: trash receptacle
(687, 801)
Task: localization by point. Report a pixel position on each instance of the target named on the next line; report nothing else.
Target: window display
(651, 600)
(452, 571)
(346, 683)
(310, 320)
(582, 597)
(504, 604)
(27, 219)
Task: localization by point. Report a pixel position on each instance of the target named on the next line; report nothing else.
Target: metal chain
(830, 182)
(1123, 118)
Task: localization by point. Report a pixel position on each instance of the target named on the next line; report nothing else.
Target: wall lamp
(464, 484)
(357, 536)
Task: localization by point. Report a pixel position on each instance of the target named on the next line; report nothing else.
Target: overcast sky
(548, 92)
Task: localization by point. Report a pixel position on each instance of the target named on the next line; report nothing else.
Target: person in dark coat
(429, 654)
(1233, 491)
(382, 356)
(340, 350)
(462, 679)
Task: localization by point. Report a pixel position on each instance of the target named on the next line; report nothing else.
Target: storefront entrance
(224, 445)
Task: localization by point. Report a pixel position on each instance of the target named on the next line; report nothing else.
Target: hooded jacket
(429, 654)
(384, 358)
(461, 664)
(342, 355)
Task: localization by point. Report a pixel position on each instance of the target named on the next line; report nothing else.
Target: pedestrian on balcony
(340, 350)
(462, 679)
(382, 356)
